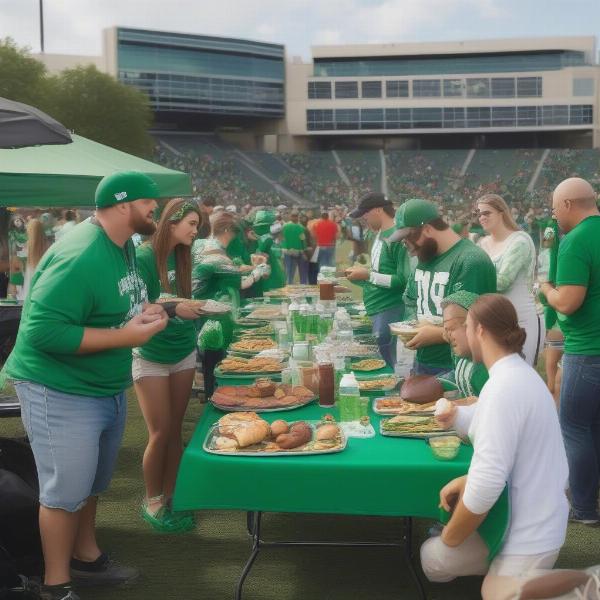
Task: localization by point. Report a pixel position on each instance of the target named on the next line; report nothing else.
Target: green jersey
(276, 278)
(178, 339)
(293, 237)
(83, 280)
(389, 273)
(463, 267)
(579, 264)
(215, 276)
(470, 377)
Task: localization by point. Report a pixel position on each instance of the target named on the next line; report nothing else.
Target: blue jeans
(75, 442)
(381, 331)
(326, 256)
(291, 262)
(580, 424)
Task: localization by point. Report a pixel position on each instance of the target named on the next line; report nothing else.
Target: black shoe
(574, 518)
(58, 592)
(102, 571)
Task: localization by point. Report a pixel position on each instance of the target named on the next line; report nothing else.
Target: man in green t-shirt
(469, 376)
(293, 243)
(575, 295)
(446, 264)
(383, 284)
(71, 364)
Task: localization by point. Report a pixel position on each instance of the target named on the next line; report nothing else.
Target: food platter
(395, 405)
(368, 365)
(409, 426)
(253, 345)
(378, 384)
(263, 395)
(266, 313)
(224, 437)
(202, 307)
(236, 365)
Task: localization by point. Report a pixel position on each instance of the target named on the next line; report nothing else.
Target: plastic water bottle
(349, 398)
(292, 317)
(343, 326)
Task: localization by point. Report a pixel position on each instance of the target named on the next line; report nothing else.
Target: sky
(75, 26)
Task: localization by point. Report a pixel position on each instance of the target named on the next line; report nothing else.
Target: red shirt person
(325, 232)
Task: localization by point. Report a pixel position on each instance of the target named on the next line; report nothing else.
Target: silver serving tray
(294, 452)
(391, 413)
(227, 409)
(417, 436)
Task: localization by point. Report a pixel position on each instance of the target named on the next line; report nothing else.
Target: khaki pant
(504, 577)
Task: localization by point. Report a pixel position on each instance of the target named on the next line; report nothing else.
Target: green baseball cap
(125, 186)
(416, 212)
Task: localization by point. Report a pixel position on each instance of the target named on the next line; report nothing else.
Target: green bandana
(184, 209)
(462, 298)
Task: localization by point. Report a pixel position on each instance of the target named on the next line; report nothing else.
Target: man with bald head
(575, 295)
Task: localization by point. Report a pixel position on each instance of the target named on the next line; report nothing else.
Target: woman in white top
(513, 253)
(517, 440)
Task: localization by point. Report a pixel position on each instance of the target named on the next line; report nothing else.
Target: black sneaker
(103, 571)
(58, 592)
(573, 518)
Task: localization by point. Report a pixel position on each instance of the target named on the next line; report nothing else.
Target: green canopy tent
(67, 174)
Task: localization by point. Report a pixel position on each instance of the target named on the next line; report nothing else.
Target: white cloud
(327, 36)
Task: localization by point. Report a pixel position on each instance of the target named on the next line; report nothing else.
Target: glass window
(580, 114)
(426, 88)
(319, 120)
(346, 89)
(529, 87)
(504, 116)
(557, 114)
(346, 118)
(371, 118)
(453, 87)
(503, 87)
(397, 118)
(319, 89)
(478, 116)
(427, 118)
(419, 66)
(583, 86)
(527, 116)
(371, 89)
(478, 88)
(454, 117)
(396, 88)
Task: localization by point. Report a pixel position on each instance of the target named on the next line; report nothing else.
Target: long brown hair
(498, 203)
(497, 315)
(161, 241)
(36, 242)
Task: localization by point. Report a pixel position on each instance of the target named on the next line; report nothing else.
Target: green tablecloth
(378, 476)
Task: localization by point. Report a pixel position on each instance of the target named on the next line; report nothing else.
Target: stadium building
(491, 93)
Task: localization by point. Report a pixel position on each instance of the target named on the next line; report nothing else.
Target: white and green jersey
(389, 273)
(463, 267)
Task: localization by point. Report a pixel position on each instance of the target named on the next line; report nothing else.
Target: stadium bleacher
(234, 177)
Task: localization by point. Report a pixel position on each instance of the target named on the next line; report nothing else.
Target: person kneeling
(516, 439)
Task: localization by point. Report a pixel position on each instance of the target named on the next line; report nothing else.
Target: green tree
(22, 78)
(98, 107)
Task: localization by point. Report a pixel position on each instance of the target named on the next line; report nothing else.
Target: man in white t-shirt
(517, 441)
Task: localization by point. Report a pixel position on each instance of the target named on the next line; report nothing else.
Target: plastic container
(292, 317)
(349, 398)
(405, 358)
(445, 447)
(326, 384)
